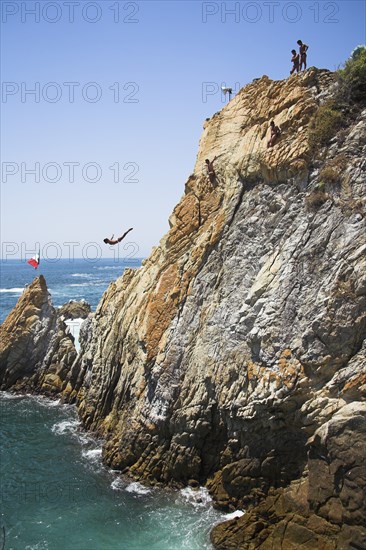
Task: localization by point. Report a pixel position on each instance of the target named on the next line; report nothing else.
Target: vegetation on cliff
(352, 77)
(347, 100)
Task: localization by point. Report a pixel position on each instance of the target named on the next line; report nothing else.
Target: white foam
(7, 395)
(12, 290)
(94, 455)
(65, 427)
(74, 326)
(85, 438)
(84, 275)
(198, 497)
(138, 489)
(232, 515)
(117, 484)
(43, 545)
(76, 321)
(45, 401)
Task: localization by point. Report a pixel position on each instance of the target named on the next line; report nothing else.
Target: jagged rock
(75, 310)
(326, 508)
(231, 356)
(36, 350)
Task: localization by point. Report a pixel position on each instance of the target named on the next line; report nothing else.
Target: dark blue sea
(55, 493)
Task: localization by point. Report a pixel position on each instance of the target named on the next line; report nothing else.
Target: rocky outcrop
(235, 356)
(36, 349)
(74, 310)
(325, 508)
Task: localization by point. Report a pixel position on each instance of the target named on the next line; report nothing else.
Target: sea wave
(43, 545)
(82, 284)
(103, 268)
(94, 455)
(66, 427)
(117, 484)
(137, 488)
(83, 275)
(45, 401)
(90, 283)
(12, 290)
(8, 395)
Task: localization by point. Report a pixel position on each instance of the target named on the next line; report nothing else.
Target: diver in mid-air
(116, 241)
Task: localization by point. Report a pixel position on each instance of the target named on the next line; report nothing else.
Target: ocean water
(55, 493)
(71, 279)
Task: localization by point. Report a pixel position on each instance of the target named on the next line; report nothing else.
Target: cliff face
(235, 355)
(36, 349)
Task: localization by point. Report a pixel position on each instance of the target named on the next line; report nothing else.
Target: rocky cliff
(235, 356)
(36, 347)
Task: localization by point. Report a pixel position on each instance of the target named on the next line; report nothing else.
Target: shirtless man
(116, 241)
(302, 51)
(296, 61)
(275, 133)
(210, 170)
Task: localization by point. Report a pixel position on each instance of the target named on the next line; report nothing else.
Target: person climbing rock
(296, 61)
(275, 134)
(210, 170)
(302, 52)
(116, 241)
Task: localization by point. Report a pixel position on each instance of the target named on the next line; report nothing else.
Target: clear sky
(87, 86)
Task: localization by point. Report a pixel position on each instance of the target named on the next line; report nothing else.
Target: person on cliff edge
(275, 134)
(295, 60)
(116, 241)
(210, 170)
(302, 52)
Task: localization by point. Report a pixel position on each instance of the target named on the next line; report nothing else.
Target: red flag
(35, 261)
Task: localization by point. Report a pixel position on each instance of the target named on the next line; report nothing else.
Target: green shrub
(324, 125)
(328, 119)
(353, 76)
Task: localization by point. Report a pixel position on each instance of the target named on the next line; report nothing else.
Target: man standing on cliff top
(295, 59)
(116, 241)
(302, 51)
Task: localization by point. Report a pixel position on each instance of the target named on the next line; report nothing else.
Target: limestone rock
(75, 310)
(35, 348)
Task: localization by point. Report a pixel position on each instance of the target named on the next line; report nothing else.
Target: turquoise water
(55, 494)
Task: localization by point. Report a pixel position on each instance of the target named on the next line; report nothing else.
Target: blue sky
(136, 99)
